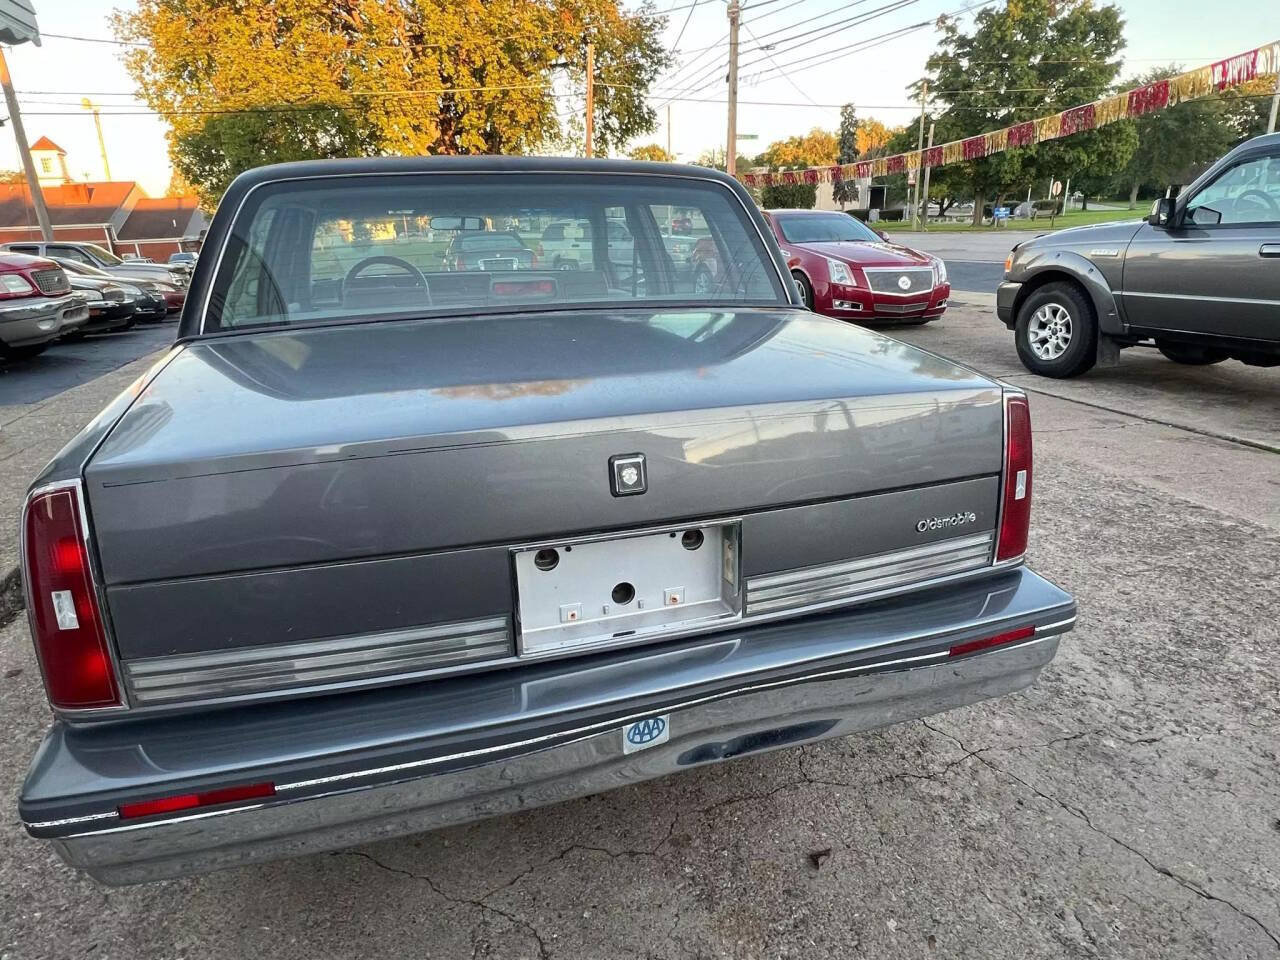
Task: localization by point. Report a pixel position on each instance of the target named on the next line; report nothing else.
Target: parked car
(111, 308)
(847, 270)
(150, 296)
(1199, 279)
(37, 305)
(487, 250)
(136, 258)
(103, 259)
(183, 258)
(366, 558)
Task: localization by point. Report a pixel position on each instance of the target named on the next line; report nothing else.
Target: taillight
(1000, 639)
(191, 801)
(66, 623)
(1015, 508)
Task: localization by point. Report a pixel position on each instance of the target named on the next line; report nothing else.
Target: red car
(848, 271)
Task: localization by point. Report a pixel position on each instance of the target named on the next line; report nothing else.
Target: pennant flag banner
(1192, 85)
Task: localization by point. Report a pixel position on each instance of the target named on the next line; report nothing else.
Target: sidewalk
(30, 435)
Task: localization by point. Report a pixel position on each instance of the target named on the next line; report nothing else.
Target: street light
(97, 122)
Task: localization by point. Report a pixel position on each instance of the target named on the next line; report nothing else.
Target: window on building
(46, 164)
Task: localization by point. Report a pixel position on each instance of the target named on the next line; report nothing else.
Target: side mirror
(1162, 212)
(882, 235)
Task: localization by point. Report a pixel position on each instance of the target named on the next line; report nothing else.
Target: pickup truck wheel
(806, 289)
(1189, 353)
(1057, 332)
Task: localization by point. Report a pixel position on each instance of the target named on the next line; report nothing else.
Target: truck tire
(1057, 331)
(1189, 353)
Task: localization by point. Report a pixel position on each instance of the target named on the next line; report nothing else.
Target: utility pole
(591, 96)
(1275, 106)
(924, 218)
(28, 165)
(669, 153)
(731, 146)
(915, 187)
(97, 122)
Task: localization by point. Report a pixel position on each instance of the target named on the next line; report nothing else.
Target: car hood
(867, 254)
(1113, 231)
(143, 271)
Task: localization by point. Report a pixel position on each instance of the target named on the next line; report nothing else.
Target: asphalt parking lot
(1128, 805)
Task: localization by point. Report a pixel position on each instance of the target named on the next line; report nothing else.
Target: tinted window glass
(364, 247)
(819, 228)
(1247, 193)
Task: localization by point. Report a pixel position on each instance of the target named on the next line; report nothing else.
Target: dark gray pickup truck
(387, 542)
(1199, 278)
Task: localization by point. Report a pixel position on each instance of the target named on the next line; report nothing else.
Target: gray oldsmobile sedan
(384, 544)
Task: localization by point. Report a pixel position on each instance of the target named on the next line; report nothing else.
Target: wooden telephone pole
(731, 146)
(591, 96)
(28, 165)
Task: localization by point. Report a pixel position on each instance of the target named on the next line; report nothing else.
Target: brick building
(115, 214)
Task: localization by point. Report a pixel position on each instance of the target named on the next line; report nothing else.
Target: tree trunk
(1133, 196)
(978, 201)
(1084, 202)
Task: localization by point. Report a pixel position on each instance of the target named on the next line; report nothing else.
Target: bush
(1046, 208)
(789, 196)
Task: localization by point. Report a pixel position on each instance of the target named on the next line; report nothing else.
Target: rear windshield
(824, 228)
(371, 247)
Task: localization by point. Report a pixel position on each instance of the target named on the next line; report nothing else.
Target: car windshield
(106, 256)
(369, 247)
(820, 228)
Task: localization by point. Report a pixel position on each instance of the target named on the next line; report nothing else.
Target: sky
(52, 79)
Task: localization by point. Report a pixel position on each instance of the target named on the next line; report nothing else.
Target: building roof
(156, 218)
(94, 202)
(44, 143)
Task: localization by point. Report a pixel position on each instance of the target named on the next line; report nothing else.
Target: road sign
(1057, 187)
(748, 136)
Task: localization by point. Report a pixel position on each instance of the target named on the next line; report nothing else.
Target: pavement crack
(1173, 875)
(1083, 817)
(543, 951)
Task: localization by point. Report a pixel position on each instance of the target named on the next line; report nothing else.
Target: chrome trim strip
(846, 581)
(1058, 626)
(281, 666)
(68, 821)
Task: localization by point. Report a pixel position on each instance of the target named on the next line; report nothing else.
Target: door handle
(1269, 250)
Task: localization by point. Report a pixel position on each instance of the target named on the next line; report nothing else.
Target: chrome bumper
(478, 773)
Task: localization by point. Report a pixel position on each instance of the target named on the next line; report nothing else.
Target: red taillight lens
(66, 623)
(189, 801)
(1022, 633)
(1015, 513)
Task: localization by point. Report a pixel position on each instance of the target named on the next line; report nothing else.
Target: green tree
(411, 77)
(1024, 60)
(1172, 144)
(1248, 107)
(846, 151)
(651, 151)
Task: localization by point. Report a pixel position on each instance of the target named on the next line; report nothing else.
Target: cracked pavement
(1127, 805)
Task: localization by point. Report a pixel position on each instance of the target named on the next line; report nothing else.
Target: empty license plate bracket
(611, 591)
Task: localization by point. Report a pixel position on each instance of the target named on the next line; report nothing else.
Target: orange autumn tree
(263, 81)
(816, 148)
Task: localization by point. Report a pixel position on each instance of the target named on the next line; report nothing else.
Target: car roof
(474, 164)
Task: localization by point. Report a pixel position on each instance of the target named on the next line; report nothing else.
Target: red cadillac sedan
(848, 271)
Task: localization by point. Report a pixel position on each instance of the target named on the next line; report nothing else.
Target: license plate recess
(602, 592)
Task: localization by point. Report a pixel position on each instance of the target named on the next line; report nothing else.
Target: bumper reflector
(190, 801)
(1012, 636)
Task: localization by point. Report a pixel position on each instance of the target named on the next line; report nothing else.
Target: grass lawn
(1076, 218)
